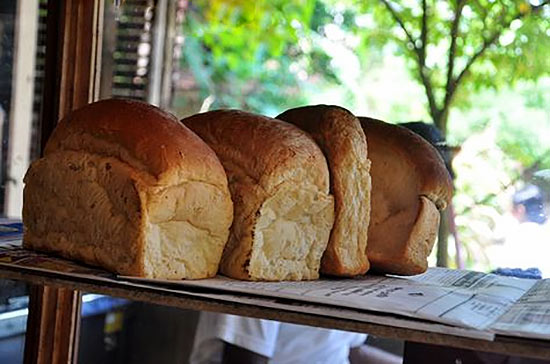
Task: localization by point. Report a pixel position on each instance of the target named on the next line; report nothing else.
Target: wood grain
(151, 294)
(52, 325)
(71, 79)
(73, 59)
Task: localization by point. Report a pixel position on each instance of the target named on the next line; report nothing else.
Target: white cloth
(281, 342)
(526, 245)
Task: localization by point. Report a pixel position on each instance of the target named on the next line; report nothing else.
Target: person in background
(525, 245)
(222, 338)
(528, 205)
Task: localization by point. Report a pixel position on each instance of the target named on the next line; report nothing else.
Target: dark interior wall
(156, 334)
(7, 18)
(7, 22)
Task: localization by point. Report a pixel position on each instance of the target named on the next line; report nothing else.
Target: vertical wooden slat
(73, 59)
(52, 326)
(80, 52)
(73, 56)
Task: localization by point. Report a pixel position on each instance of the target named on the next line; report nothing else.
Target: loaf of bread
(341, 138)
(410, 185)
(125, 186)
(279, 183)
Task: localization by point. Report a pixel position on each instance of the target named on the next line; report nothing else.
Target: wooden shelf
(152, 293)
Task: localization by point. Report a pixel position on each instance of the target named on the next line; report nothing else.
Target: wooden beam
(72, 73)
(79, 61)
(73, 59)
(52, 326)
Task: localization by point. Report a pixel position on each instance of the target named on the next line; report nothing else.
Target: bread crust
(410, 184)
(341, 138)
(140, 135)
(123, 185)
(266, 159)
(434, 179)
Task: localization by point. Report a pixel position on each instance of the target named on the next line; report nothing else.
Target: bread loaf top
(267, 150)
(433, 178)
(142, 136)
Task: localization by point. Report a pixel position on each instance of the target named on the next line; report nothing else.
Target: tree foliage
(257, 52)
(456, 47)
(248, 53)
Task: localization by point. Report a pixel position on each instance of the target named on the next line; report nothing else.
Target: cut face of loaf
(341, 138)
(126, 187)
(279, 183)
(410, 185)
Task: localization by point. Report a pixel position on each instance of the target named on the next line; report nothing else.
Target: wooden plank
(71, 80)
(73, 59)
(20, 125)
(53, 325)
(504, 345)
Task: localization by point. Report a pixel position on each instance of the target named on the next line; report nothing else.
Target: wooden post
(52, 326)
(71, 80)
(73, 59)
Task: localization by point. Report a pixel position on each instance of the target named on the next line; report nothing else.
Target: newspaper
(457, 302)
(530, 315)
(454, 297)
(334, 312)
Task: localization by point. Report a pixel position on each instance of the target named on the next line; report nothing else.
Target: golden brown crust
(434, 179)
(263, 148)
(266, 159)
(341, 138)
(141, 135)
(409, 184)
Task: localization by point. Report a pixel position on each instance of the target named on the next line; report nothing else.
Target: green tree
(456, 47)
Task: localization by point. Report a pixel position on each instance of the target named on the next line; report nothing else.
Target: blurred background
(479, 71)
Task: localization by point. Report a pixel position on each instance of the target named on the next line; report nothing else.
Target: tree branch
(399, 21)
(451, 88)
(420, 53)
(422, 69)
(452, 52)
(424, 30)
